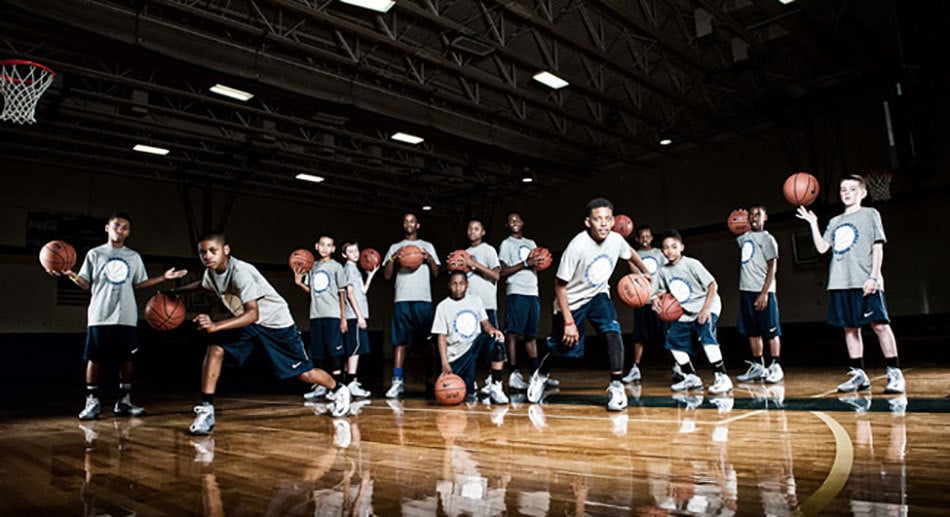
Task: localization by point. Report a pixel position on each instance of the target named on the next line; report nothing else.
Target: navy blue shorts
(850, 308)
(599, 311)
(647, 327)
(283, 346)
(326, 340)
(522, 314)
(755, 323)
(355, 339)
(690, 336)
(492, 317)
(412, 321)
(110, 342)
(478, 356)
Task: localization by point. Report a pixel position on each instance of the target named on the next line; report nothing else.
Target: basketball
(370, 259)
(623, 225)
(164, 312)
(57, 256)
(545, 256)
(634, 290)
(449, 389)
(301, 259)
(738, 221)
(670, 309)
(410, 256)
(458, 261)
(801, 189)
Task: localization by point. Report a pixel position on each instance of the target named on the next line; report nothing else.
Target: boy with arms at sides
(582, 289)
(327, 289)
(522, 304)
(697, 292)
(113, 273)
(758, 307)
(412, 311)
(260, 316)
(484, 275)
(646, 326)
(856, 283)
(466, 337)
(356, 338)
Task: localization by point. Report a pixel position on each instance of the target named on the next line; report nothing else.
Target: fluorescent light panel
(427, 207)
(309, 177)
(234, 93)
(407, 138)
(665, 141)
(785, 2)
(142, 148)
(527, 179)
(550, 80)
(380, 6)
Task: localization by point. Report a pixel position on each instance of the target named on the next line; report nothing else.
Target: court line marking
(840, 469)
(879, 377)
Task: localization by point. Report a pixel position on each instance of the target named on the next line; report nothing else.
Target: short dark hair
(672, 234)
(217, 237)
(598, 202)
(758, 205)
(644, 227)
(120, 215)
(326, 235)
(511, 213)
(458, 272)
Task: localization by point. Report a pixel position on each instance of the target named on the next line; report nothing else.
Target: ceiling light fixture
(233, 93)
(527, 179)
(407, 138)
(426, 207)
(142, 148)
(309, 177)
(550, 80)
(380, 6)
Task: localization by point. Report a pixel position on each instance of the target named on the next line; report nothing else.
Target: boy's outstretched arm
(820, 243)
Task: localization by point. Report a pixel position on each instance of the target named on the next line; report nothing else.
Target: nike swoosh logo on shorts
(772, 329)
(868, 314)
(296, 364)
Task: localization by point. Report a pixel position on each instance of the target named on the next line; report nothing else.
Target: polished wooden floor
(795, 448)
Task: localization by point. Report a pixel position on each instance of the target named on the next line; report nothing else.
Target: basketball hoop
(879, 185)
(22, 83)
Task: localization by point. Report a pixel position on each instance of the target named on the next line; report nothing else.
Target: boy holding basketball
(327, 289)
(412, 312)
(646, 326)
(260, 316)
(855, 282)
(696, 291)
(356, 338)
(758, 308)
(113, 272)
(466, 337)
(582, 289)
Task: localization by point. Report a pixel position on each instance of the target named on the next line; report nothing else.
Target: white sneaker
(204, 450)
(677, 374)
(536, 387)
(356, 390)
(486, 387)
(125, 407)
(317, 393)
(516, 381)
(396, 389)
(757, 371)
(342, 437)
(618, 424)
(722, 384)
(204, 419)
(690, 382)
(498, 393)
(898, 405)
(858, 381)
(552, 382)
(895, 381)
(340, 399)
(616, 396)
(536, 416)
(633, 376)
(775, 374)
(91, 411)
(724, 404)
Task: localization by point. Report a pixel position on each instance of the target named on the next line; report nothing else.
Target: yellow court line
(840, 469)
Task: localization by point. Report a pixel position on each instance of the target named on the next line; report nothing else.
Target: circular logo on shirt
(680, 289)
(844, 238)
(117, 270)
(523, 252)
(320, 281)
(748, 250)
(466, 323)
(598, 270)
(651, 263)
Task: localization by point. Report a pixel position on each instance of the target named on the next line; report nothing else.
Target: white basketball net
(879, 185)
(22, 83)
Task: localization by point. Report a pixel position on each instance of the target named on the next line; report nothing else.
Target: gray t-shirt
(478, 285)
(688, 281)
(413, 285)
(511, 252)
(757, 249)
(654, 260)
(586, 266)
(852, 237)
(241, 283)
(325, 280)
(461, 323)
(354, 278)
(113, 274)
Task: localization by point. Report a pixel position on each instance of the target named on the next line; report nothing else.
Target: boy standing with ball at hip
(356, 338)
(856, 283)
(412, 312)
(113, 273)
